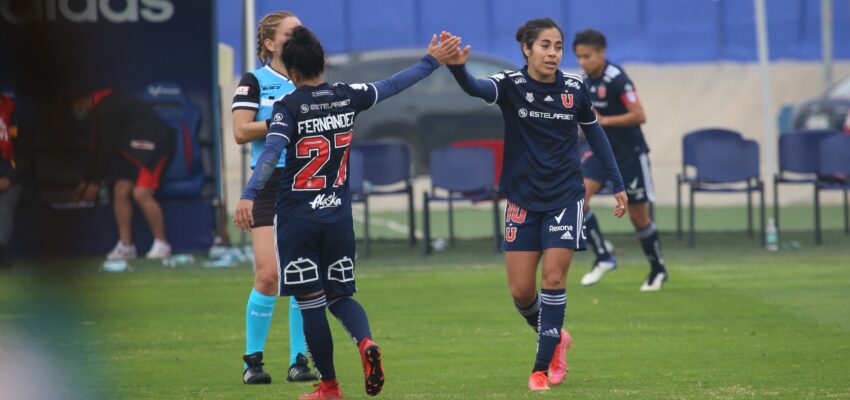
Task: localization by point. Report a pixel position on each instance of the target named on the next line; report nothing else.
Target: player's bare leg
(604, 262)
(123, 208)
(153, 214)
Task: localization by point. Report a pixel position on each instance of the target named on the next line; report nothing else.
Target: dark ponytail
(304, 53)
(529, 31)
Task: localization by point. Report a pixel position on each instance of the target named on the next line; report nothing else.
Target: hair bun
(302, 35)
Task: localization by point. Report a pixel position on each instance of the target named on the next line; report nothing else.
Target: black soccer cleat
(300, 371)
(254, 374)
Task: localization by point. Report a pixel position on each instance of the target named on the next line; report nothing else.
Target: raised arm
(438, 53)
(484, 89)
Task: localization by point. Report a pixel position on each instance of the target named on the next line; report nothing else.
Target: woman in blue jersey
(542, 108)
(314, 227)
(252, 107)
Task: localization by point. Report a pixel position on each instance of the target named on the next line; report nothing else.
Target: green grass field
(734, 322)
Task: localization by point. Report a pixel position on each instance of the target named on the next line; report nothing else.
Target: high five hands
(459, 56)
(447, 49)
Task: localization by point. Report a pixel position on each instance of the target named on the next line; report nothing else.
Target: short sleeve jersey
(610, 94)
(317, 122)
(542, 165)
(257, 91)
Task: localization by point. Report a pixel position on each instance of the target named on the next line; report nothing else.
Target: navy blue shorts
(636, 174)
(314, 257)
(539, 230)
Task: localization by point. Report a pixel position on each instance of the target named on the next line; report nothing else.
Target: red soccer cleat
(558, 366)
(538, 381)
(370, 355)
(326, 390)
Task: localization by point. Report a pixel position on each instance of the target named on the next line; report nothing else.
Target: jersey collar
(275, 73)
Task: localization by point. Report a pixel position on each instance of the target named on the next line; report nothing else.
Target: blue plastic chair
(467, 175)
(690, 143)
(727, 166)
(799, 161)
(387, 172)
(184, 177)
(834, 162)
(357, 185)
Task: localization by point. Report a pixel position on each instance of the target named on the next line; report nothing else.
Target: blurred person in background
(132, 147)
(252, 107)
(620, 114)
(543, 108)
(14, 168)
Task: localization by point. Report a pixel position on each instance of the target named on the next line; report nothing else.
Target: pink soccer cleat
(558, 366)
(538, 381)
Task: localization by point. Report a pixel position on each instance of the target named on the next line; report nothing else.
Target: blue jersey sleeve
(364, 96)
(281, 123)
(279, 136)
(485, 89)
(586, 114)
(622, 88)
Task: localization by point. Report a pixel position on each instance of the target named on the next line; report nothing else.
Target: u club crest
(567, 100)
(601, 91)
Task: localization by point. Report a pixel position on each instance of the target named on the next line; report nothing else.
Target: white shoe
(656, 283)
(601, 268)
(122, 252)
(160, 249)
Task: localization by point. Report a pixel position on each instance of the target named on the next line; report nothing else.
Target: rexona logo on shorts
(86, 11)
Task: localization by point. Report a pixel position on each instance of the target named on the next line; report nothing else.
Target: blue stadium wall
(655, 31)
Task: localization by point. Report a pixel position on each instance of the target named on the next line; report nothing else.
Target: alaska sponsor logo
(86, 11)
(321, 201)
(520, 80)
(359, 86)
(571, 83)
(159, 90)
(560, 228)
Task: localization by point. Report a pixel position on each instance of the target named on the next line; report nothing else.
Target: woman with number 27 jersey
(313, 224)
(542, 108)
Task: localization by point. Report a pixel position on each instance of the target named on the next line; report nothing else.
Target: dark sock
(652, 248)
(552, 309)
(594, 236)
(352, 317)
(531, 313)
(318, 334)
